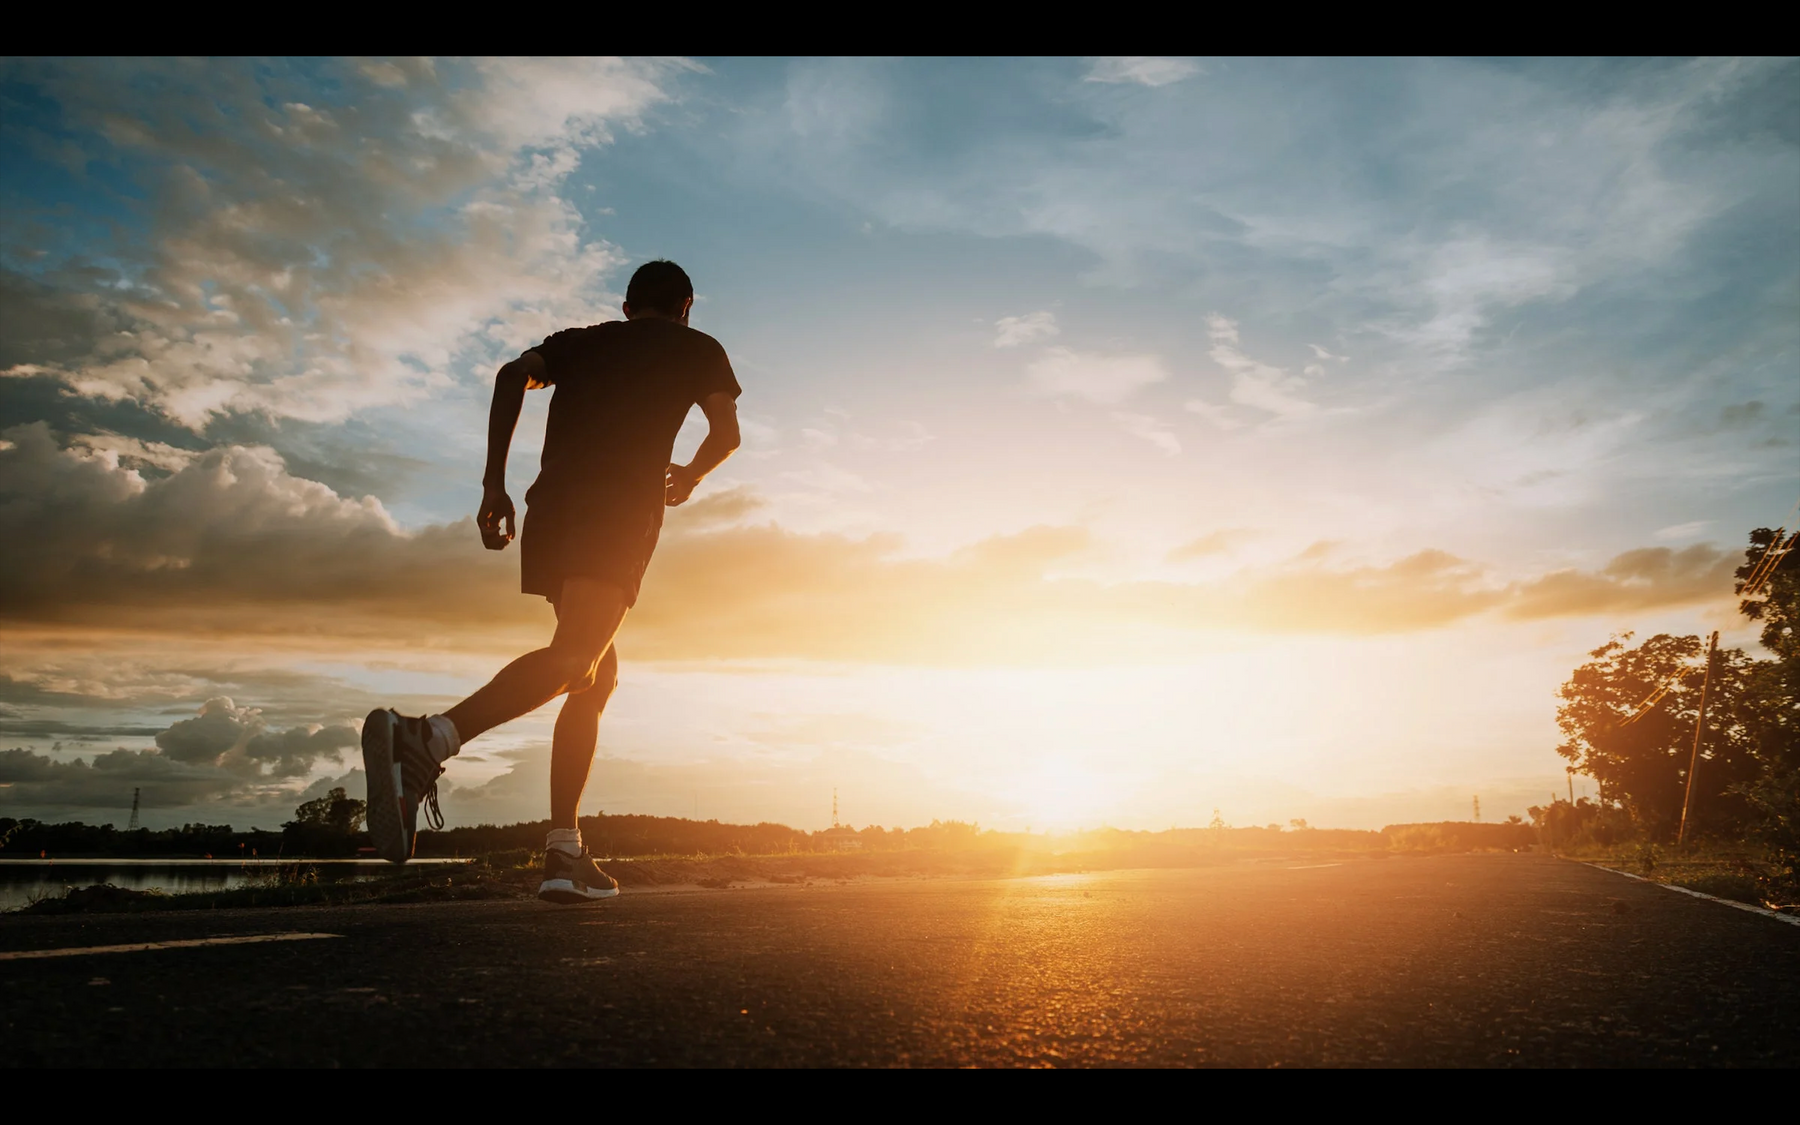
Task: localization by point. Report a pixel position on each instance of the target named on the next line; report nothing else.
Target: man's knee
(584, 672)
(578, 670)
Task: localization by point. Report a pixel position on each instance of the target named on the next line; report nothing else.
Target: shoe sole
(387, 822)
(568, 893)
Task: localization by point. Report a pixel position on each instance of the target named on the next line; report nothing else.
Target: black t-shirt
(622, 391)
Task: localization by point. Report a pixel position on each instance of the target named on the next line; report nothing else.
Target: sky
(1125, 439)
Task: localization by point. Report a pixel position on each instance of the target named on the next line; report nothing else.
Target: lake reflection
(22, 881)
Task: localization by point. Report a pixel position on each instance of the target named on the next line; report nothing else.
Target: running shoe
(401, 773)
(571, 879)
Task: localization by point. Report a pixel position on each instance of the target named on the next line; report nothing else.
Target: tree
(1773, 691)
(333, 814)
(1643, 764)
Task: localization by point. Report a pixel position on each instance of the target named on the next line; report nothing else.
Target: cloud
(727, 505)
(296, 751)
(223, 753)
(1253, 383)
(108, 781)
(1016, 330)
(1219, 416)
(1635, 581)
(220, 727)
(1683, 530)
(827, 477)
(1741, 414)
(1153, 430)
(1144, 70)
(191, 550)
(231, 545)
(319, 247)
(913, 436)
(1065, 373)
(1219, 542)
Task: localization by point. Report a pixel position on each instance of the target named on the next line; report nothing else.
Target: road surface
(1475, 960)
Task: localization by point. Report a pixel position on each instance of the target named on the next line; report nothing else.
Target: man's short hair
(661, 286)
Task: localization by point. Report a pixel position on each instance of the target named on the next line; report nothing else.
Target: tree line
(1746, 783)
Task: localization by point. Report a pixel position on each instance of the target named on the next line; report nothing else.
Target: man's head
(660, 289)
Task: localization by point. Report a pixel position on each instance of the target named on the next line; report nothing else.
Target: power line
(1759, 575)
(1765, 566)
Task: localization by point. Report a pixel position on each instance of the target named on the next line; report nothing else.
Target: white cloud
(828, 478)
(312, 260)
(913, 436)
(1253, 383)
(1683, 530)
(1065, 373)
(1145, 70)
(1219, 416)
(1324, 354)
(1153, 430)
(1016, 330)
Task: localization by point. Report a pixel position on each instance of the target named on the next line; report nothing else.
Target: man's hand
(679, 484)
(495, 519)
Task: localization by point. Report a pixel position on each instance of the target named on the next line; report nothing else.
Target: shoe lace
(423, 769)
(434, 816)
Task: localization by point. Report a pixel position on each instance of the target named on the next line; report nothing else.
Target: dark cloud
(70, 732)
(1738, 415)
(222, 753)
(34, 693)
(46, 324)
(229, 530)
(1642, 579)
(219, 727)
(293, 752)
(109, 780)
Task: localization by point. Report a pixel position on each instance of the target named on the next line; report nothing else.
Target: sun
(1061, 795)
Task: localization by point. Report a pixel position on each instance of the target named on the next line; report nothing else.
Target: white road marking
(141, 947)
(1790, 919)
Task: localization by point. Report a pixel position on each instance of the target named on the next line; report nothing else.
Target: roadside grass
(291, 885)
(514, 874)
(1738, 872)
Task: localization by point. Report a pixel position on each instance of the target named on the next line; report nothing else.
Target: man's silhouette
(592, 518)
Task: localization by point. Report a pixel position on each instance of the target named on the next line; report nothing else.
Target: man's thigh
(588, 614)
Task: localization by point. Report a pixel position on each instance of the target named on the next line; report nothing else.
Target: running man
(592, 519)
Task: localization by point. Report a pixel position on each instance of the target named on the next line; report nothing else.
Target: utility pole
(1571, 772)
(133, 826)
(1687, 803)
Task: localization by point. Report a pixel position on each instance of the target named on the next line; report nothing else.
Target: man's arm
(496, 518)
(721, 439)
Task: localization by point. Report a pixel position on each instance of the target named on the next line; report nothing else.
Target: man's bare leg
(587, 617)
(577, 737)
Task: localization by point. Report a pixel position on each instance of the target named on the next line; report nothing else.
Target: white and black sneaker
(570, 879)
(401, 774)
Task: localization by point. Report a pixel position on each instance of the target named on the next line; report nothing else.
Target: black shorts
(610, 538)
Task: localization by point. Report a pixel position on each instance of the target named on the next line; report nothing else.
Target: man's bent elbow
(522, 374)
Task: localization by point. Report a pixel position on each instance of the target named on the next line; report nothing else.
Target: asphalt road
(1490, 960)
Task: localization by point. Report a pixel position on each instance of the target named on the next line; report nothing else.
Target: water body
(23, 880)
